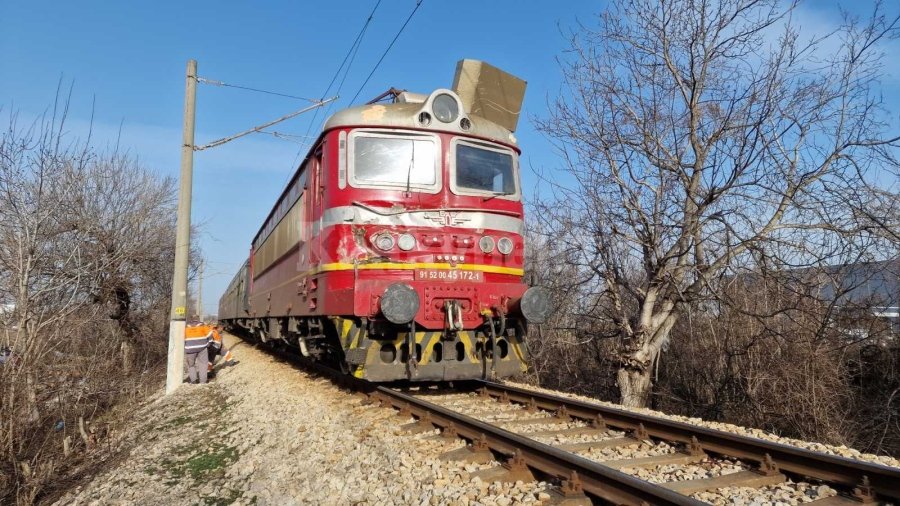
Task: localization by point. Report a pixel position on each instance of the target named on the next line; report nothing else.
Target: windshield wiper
(499, 194)
(412, 162)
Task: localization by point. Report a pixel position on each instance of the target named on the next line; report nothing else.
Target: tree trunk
(634, 386)
(641, 351)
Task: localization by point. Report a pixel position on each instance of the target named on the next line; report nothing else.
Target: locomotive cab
(436, 240)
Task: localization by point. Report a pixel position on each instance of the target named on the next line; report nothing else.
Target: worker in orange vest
(217, 349)
(197, 337)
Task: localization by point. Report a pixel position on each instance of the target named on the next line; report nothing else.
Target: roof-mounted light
(445, 107)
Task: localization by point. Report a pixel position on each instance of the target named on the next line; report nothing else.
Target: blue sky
(131, 57)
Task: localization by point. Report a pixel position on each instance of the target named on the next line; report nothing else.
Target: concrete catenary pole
(200, 290)
(175, 370)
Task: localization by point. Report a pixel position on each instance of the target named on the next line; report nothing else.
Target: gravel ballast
(265, 432)
(841, 451)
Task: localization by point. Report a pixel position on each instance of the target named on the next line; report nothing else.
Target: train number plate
(449, 275)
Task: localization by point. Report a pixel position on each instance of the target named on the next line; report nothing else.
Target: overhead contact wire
(383, 55)
(267, 92)
(352, 50)
(355, 45)
(340, 85)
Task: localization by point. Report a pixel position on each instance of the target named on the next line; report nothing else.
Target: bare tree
(703, 137)
(86, 249)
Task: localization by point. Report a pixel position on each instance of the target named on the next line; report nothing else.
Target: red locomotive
(397, 248)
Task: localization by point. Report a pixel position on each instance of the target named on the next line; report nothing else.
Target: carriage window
(394, 161)
(484, 170)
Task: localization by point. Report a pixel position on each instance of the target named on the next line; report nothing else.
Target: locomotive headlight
(406, 242)
(535, 304)
(486, 244)
(445, 108)
(505, 245)
(400, 303)
(384, 241)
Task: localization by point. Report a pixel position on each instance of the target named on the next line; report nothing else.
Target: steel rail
(607, 483)
(597, 480)
(829, 468)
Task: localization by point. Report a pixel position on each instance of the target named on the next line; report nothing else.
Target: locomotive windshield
(484, 170)
(394, 161)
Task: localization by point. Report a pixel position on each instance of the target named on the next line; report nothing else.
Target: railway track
(534, 431)
(558, 438)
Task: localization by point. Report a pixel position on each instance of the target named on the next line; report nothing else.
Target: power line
(340, 85)
(282, 134)
(220, 83)
(411, 14)
(352, 50)
(296, 139)
(347, 71)
(261, 127)
(356, 44)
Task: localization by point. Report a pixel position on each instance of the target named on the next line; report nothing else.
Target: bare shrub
(86, 249)
(818, 368)
(571, 351)
(801, 353)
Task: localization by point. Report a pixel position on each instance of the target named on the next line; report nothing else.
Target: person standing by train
(217, 349)
(197, 337)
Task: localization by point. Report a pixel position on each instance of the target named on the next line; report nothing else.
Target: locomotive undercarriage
(311, 337)
(380, 351)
